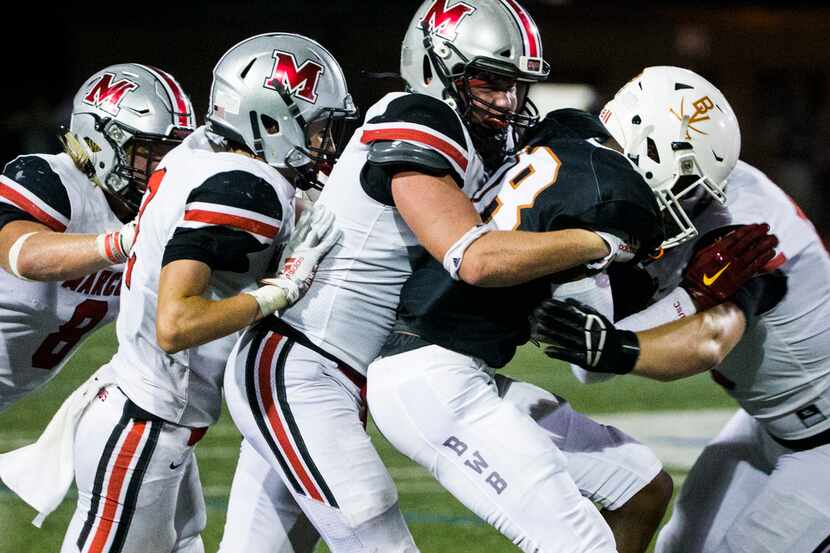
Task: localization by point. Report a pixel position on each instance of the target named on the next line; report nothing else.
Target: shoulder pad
(31, 185)
(238, 190)
(407, 153)
(566, 124)
(424, 122)
(420, 109)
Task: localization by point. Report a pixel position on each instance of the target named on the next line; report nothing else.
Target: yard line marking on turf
(677, 437)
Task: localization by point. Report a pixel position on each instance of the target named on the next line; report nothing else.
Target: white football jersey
(351, 305)
(226, 210)
(780, 370)
(43, 323)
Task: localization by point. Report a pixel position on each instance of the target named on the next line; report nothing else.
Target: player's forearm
(502, 258)
(691, 345)
(677, 304)
(52, 256)
(192, 321)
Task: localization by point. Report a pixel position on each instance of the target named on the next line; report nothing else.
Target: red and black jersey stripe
(226, 218)
(239, 190)
(441, 121)
(429, 128)
(31, 190)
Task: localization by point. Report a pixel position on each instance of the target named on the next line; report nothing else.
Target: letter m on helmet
(298, 81)
(107, 95)
(444, 21)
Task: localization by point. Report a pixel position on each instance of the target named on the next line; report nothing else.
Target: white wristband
(14, 254)
(270, 299)
(676, 305)
(455, 255)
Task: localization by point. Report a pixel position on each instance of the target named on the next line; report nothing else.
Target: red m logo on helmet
(298, 81)
(107, 95)
(444, 21)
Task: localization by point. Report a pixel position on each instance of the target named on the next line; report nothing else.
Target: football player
(433, 393)
(66, 220)
(760, 484)
(401, 191)
(216, 212)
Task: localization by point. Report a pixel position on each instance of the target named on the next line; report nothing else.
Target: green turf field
(439, 523)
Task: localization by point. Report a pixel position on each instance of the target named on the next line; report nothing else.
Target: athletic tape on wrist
(270, 299)
(455, 255)
(613, 244)
(14, 254)
(109, 247)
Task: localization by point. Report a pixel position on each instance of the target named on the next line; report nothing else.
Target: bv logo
(300, 81)
(710, 280)
(701, 108)
(443, 20)
(107, 95)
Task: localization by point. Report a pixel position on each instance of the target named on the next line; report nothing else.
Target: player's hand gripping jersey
(351, 305)
(563, 179)
(226, 210)
(43, 323)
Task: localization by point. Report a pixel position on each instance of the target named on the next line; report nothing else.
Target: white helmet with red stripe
(450, 41)
(124, 119)
(682, 134)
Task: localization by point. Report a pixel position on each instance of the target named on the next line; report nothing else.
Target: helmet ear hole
(427, 71)
(270, 125)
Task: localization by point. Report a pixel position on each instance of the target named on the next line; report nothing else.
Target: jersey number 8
(536, 170)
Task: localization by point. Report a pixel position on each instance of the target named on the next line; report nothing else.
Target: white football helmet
(683, 136)
(124, 119)
(449, 42)
(269, 89)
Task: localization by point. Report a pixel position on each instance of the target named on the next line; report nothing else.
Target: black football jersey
(563, 179)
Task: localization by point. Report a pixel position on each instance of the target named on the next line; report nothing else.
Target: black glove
(760, 294)
(576, 333)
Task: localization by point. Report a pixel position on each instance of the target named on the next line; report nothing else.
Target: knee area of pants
(370, 507)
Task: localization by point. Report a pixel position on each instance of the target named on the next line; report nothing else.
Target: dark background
(771, 60)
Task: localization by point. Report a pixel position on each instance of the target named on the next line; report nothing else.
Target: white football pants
(608, 466)
(443, 410)
(748, 494)
(138, 483)
(262, 514)
(305, 414)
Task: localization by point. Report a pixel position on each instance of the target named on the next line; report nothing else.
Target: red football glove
(716, 271)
